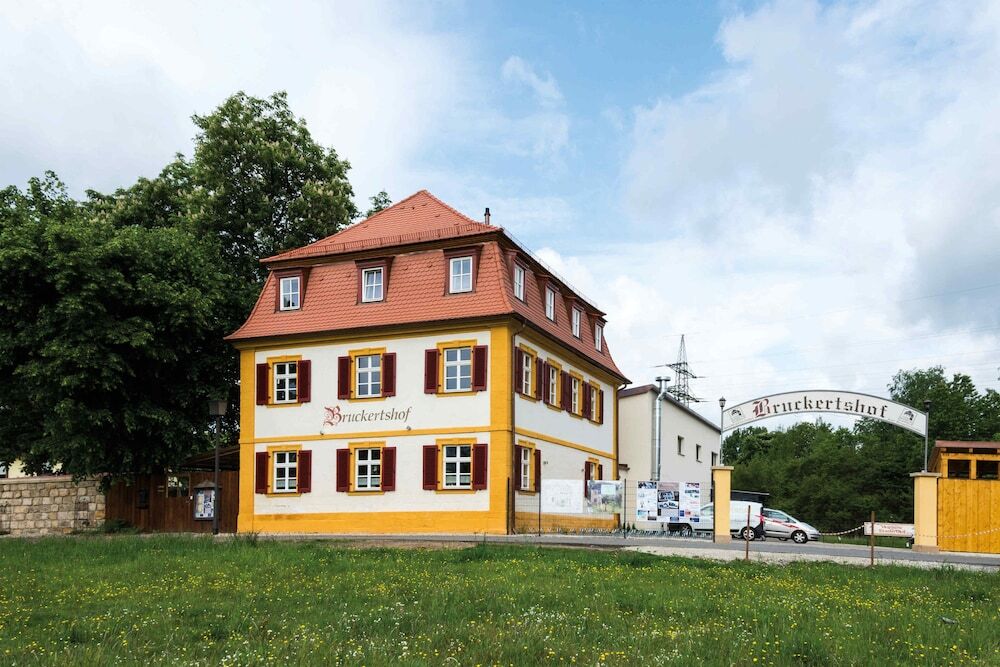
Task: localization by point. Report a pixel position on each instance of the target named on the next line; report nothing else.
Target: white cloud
(516, 70)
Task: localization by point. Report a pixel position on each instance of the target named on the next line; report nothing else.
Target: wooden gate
(969, 508)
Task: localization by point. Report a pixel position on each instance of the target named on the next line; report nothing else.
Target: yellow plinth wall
(925, 511)
(722, 482)
(414, 523)
(527, 522)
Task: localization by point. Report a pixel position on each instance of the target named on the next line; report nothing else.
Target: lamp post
(722, 407)
(927, 428)
(217, 409)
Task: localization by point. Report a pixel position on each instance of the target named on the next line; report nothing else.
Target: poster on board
(604, 497)
(668, 502)
(562, 496)
(645, 502)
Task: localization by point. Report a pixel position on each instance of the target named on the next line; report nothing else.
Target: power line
(861, 363)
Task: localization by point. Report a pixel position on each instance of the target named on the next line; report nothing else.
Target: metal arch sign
(840, 402)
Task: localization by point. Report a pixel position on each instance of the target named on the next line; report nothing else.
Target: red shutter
(587, 402)
(519, 371)
(389, 374)
(586, 477)
(388, 468)
(539, 378)
(600, 471)
(262, 384)
(567, 392)
(479, 363)
(518, 480)
(305, 381)
(305, 459)
(546, 381)
(430, 372)
(430, 465)
(538, 470)
(260, 471)
(343, 377)
(343, 470)
(479, 466)
(600, 406)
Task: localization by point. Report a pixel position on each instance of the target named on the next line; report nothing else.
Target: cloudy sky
(809, 192)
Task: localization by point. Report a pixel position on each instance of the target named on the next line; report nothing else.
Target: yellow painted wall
(527, 522)
(969, 506)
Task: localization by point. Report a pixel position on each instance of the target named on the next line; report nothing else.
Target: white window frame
(287, 371)
(527, 482)
(574, 403)
(519, 281)
(373, 291)
(285, 462)
(550, 303)
(553, 386)
(462, 374)
(595, 395)
(294, 296)
(527, 372)
(457, 458)
(365, 367)
(460, 279)
(598, 337)
(576, 322)
(366, 459)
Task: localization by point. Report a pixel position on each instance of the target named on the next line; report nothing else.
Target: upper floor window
(286, 382)
(519, 282)
(290, 293)
(576, 322)
(368, 380)
(575, 396)
(458, 369)
(460, 270)
(595, 403)
(697, 452)
(527, 371)
(550, 303)
(285, 472)
(680, 445)
(553, 385)
(372, 283)
(715, 459)
(598, 337)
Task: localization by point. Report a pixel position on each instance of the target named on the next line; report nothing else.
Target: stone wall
(52, 505)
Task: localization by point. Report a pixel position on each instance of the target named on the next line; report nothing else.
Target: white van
(737, 518)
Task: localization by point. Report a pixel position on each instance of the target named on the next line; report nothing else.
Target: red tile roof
(415, 289)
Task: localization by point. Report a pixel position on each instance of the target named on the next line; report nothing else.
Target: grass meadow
(189, 601)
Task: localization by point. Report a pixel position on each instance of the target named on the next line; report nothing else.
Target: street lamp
(927, 428)
(722, 407)
(217, 409)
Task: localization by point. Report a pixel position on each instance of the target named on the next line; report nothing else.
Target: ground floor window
(285, 472)
(178, 486)
(458, 466)
(368, 469)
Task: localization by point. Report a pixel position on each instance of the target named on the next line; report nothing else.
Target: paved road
(692, 546)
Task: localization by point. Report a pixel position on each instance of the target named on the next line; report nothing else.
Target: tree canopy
(115, 307)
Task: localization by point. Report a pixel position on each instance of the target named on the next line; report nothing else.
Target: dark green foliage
(834, 478)
(379, 202)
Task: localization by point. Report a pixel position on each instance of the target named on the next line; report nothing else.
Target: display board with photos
(668, 502)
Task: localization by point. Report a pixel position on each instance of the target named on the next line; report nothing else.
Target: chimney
(486, 216)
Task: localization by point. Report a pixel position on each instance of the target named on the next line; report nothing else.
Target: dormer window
(550, 303)
(291, 293)
(519, 281)
(576, 322)
(372, 282)
(598, 337)
(460, 272)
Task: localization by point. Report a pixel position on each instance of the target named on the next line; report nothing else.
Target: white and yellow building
(418, 372)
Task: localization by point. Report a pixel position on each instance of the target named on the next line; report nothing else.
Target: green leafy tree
(379, 202)
(111, 339)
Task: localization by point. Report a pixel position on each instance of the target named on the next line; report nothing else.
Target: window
(959, 468)
(3, 471)
(285, 472)
(715, 459)
(290, 293)
(553, 386)
(550, 304)
(680, 445)
(595, 403)
(527, 373)
(519, 282)
(461, 274)
(285, 382)
(575, 397)
(576, 322)
(368, 375)
(178, 486)
(987, 469)
(457, 466)
(458, 369)
(697, 452)
(598, 337)
(368, 469)
(371, 284)
(526, 454)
